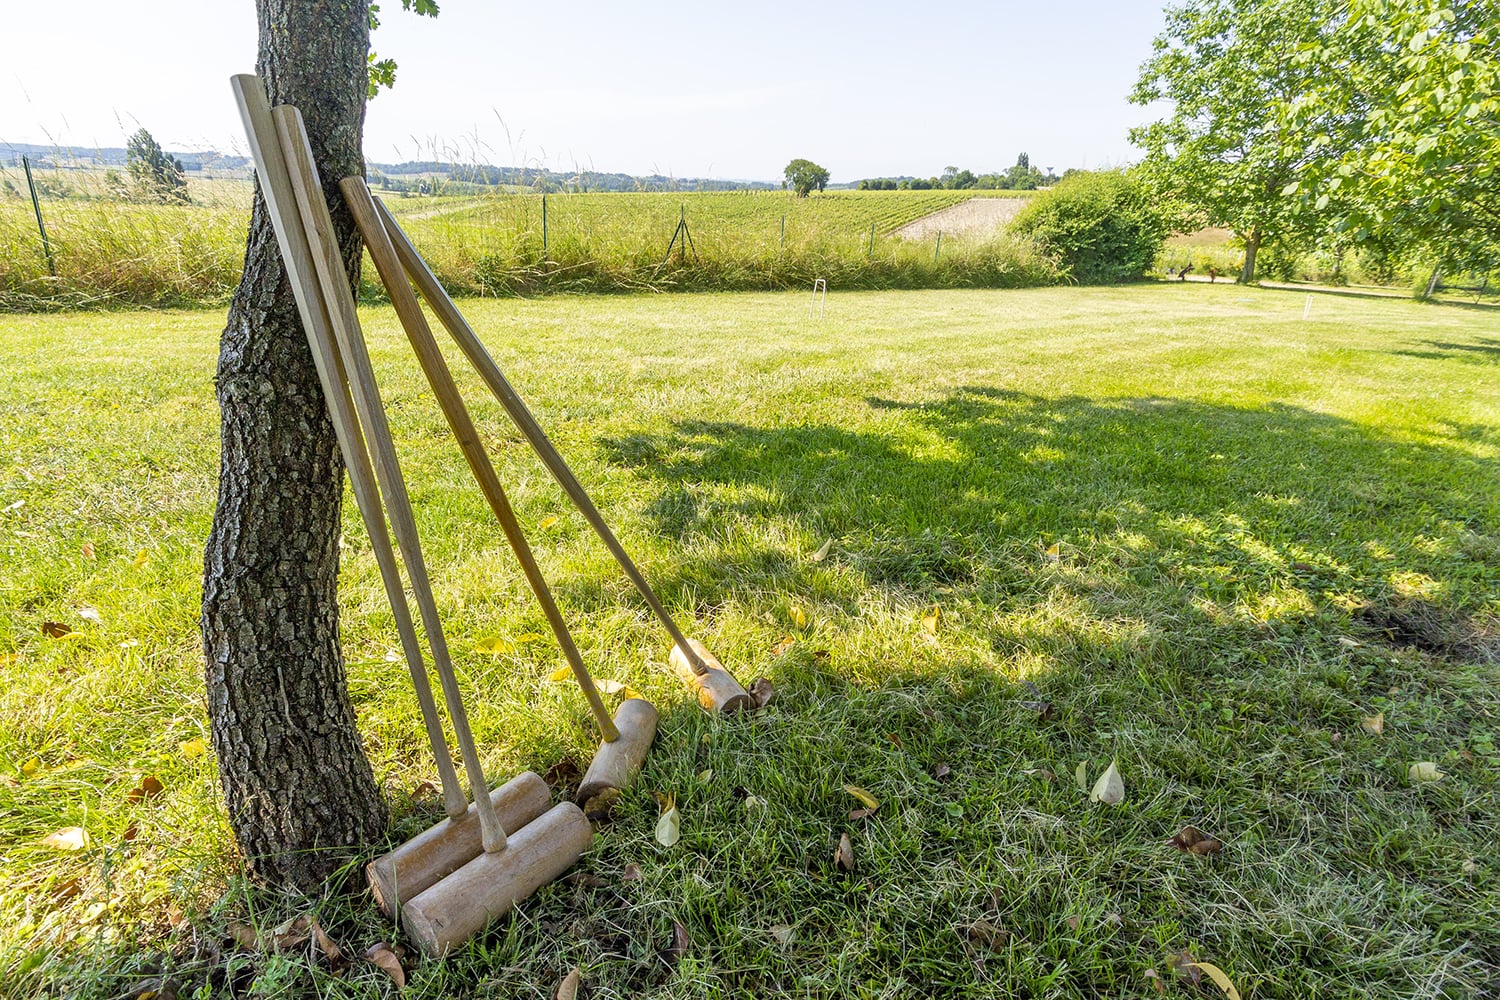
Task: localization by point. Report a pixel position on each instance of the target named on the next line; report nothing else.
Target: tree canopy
(1404, 115)
(1225, 149)
(805, 176)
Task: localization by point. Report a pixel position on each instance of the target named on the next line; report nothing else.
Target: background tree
(290, 759)
(1227, 68)
(1404, 102)
(805, 176)
(157, 176)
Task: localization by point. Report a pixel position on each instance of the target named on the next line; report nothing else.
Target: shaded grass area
(1267, 532)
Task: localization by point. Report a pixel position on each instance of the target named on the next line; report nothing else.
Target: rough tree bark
(297, 783)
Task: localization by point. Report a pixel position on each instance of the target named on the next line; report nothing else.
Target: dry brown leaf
(64, 891)
(69, 838)
(763, 691)
(680, 944)
(56, 630)
(942, 772)
(988, 934)
(1374, 724)
(601, 808)
(387, 961)
(1154, 978)
(568, 988)
(1072, 923)
(88, 550)
(1039, 772)
(425, 789)
(859, 814)
(1186, 965)
(245, 936)
(632, 873)
(783, 644)
(844, 856)
(131, 832)
(292, 933)
(149, 788)
(564, 773)
(325, 943)
(1192, 840)
(782, 933)
(869, 801)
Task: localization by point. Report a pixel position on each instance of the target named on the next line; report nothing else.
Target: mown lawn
(1223, 543)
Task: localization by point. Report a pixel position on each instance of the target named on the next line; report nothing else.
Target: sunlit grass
(1267, 530)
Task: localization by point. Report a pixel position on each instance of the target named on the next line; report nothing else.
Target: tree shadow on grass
(1172, 500)
(1480, 351)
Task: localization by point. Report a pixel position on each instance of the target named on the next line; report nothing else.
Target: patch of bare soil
(981, 217)
(1434, 630)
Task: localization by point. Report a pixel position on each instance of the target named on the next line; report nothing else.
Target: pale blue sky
(688, 89)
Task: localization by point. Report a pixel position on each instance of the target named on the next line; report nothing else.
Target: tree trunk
(1252, 247)
(299, 788)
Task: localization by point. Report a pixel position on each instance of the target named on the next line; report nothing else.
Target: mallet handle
(340, 301)
(357, 197)
(276, 188)
(468, 342)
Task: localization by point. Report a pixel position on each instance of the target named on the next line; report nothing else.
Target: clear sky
(699, 89)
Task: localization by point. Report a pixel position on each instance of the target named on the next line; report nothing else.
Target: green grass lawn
(1220, 539)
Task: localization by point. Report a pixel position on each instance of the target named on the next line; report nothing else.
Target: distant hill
(413, 175)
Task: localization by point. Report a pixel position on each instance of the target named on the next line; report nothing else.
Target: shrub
(1100, 227)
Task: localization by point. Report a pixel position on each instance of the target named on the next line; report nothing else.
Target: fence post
(36, 206)
(939, 248)
(871, 251)
(544, 229)
(783, 230)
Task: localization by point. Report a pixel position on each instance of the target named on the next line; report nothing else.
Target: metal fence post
(36, 206)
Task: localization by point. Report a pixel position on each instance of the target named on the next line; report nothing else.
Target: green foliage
(805, 176)
(1225, 150)
(1404, 105)
(1101, 227)
(157, 176)
(383, 71)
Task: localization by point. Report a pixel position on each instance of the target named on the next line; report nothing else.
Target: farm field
(112, 253)
(1247, 551)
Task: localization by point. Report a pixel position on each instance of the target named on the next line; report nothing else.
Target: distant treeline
(436, 177)
(1021, 177)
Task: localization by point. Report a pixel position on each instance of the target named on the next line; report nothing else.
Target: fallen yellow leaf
(192, 749)
(495, 646)
(529, 637)
(1374, 724)
(31, 768)
(1054, 552)
(868, 800)
(547, 522)
(930, 620)
(141, 559)
(560, 674)
(1110, 788)
(1423, 770)
(1220, 978)
(69, 838)
(799, 617)
(669, 826)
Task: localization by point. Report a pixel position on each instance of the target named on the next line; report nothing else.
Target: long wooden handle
(357, 197)
(276, 187)
(468, 342)
(345, 322)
